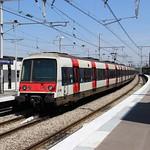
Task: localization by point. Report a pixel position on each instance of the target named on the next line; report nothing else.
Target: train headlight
(24, 87)
(50, 87)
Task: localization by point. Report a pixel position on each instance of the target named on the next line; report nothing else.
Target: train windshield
(41, 70)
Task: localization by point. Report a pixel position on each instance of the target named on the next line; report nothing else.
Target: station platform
(7, 96)
(124, 127)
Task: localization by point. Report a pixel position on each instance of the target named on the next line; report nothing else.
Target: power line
(74, 21)
(29, 39)
(129, 37)
(99, 22)
(81, 26)
(42, 23)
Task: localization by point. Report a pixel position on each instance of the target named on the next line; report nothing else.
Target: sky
(80, 37)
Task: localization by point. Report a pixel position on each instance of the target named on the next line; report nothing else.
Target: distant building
(9, 71)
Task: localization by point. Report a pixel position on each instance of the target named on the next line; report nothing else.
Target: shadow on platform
(140, 113)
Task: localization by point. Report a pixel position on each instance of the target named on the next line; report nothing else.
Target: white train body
(60, 78)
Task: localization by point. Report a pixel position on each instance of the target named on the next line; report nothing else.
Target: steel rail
(47, 139)
(28, 124)
(11, 120)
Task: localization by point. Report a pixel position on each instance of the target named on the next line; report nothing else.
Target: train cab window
(26, 70)
(44, 70)
(40, 70)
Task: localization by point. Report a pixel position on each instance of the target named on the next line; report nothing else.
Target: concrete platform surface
(133, 132)
(124, 127)
(7, 96)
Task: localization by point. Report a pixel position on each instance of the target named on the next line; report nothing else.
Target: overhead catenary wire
(99, 22)
(30, 39)
(43, 23)
(124, 30)
(81, 26)
(60, 13)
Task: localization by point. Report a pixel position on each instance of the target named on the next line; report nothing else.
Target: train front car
(38, 81)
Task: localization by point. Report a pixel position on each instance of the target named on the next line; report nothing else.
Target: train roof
(48, 54)
(58, 54)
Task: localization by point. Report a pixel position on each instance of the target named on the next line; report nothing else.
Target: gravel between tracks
(8, 117)
(24, 138)
(11, 125)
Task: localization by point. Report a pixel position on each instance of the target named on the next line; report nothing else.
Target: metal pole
(59, 44)
(1, 47)
(99, 48)
(15, 59)
(149, 59)
(141, 60)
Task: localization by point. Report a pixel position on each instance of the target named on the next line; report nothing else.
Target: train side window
(112, 73)
(100, 74)
(87, 75)
(67, 75)
(81, 75)
(70, 75)
(64, 76)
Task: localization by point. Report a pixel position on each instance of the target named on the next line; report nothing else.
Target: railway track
(56, 137)
(53, 138)
(12, 120)
(5, 111)
(21, 126)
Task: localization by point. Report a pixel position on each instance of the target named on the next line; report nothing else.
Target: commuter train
(58, 78)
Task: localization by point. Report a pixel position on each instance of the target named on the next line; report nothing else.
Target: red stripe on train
(76, 84)
(106, 74)
(37, 87)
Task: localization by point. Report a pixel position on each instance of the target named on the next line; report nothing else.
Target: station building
(8, 63)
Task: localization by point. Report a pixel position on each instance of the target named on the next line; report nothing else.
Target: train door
(107, 75)
(9, 76)
(76, 82)
(65, 80)
(94, 82)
